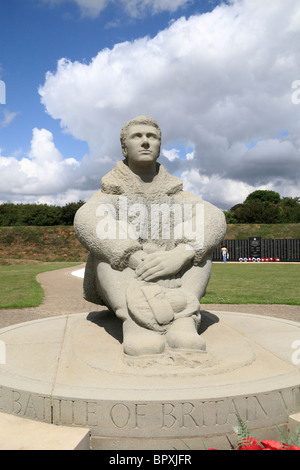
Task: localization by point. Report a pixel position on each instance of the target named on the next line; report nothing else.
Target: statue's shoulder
(189, 196)
(99, 197)
(97, 194)
(186, 195)
(211, 211)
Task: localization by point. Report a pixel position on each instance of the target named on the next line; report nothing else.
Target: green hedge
(37, 214)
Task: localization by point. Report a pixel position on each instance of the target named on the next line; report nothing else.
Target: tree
(37, 214)
(257, 213)
(69, 211)
(265, 207)
(290, 210)
(261, 195)
(9, 215)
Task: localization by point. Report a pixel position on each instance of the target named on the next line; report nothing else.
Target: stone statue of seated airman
(150, 245)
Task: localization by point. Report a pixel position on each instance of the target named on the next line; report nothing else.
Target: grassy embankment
(266, 231)
(27, 251)
(41, 244)
(60, 243)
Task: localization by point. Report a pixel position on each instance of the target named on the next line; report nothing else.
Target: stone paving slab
(23, 434)
(51, 375)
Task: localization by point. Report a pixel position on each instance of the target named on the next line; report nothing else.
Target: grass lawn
(230, 283)
(19, 287)
(254, 283)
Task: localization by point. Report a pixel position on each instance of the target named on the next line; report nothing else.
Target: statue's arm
(97, 229)
(201, 231)
(207, 225)
(215, 228)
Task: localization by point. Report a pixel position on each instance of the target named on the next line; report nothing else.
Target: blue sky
(216, 75)
(35, 34)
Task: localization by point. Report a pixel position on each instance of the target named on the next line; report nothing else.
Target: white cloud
(9, 116)
(171, 154)
(38, 176)
(225, 192)
(137, 8)
(190, 156)
(134, 8)
(216, 82)
(92, 7)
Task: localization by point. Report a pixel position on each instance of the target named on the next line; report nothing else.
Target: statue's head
(137, 121)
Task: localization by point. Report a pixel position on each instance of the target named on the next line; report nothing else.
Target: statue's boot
(183, 334)
(138, 341)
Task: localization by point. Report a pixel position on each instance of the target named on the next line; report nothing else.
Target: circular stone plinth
(71, 370)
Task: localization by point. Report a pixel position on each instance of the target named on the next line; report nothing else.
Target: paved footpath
(63, 295)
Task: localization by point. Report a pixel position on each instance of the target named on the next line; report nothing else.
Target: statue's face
(142, 144)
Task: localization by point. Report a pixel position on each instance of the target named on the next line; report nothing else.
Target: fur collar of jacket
(121, 180)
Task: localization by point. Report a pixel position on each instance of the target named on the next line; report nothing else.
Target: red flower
(250, 447)
(250, 444)
(272, 445)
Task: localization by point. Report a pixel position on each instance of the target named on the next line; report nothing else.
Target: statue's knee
(196, 278)
(122, 313)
